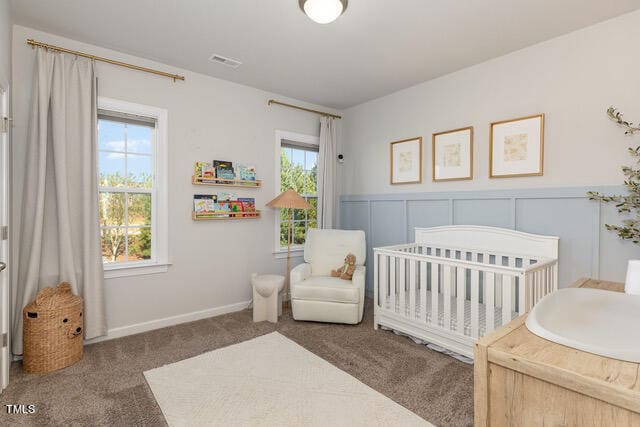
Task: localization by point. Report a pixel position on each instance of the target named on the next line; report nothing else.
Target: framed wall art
(516, 147)
(452, 154)
(406, 161)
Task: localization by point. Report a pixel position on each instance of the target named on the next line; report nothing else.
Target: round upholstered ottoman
(267, 297)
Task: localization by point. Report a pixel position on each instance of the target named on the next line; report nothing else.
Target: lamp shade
(289, 199)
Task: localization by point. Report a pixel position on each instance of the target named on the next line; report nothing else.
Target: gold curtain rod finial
(35, 43)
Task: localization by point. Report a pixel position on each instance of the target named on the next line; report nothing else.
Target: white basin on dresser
(596, 321)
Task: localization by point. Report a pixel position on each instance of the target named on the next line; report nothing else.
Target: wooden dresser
(524, 380)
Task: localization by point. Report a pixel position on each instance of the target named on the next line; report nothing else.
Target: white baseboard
(137, 328)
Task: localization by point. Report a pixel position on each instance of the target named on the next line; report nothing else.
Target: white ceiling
(375, 48)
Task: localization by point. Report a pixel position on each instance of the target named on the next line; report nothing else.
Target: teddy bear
(345, 272)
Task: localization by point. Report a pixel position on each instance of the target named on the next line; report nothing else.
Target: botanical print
(452, 155)
(405, 161)
(515, 147)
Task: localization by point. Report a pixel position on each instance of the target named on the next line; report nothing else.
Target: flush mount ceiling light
(323, 11)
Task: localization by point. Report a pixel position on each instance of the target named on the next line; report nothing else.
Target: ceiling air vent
(225, 61)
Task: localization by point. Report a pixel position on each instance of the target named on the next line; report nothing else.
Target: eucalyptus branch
(629, 204)
(616, 116)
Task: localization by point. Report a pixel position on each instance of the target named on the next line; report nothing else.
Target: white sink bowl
(600, 322)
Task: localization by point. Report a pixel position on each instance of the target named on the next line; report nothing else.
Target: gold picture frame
(404, 169)
(463, 162)
(508, 162)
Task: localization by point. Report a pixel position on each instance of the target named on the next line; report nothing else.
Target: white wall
(572, 79)
(5, 41)
(208, 118)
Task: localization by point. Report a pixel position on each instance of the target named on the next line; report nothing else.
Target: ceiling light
(323, 11)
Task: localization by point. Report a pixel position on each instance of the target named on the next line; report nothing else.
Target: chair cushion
(325, 250)
(325, 288)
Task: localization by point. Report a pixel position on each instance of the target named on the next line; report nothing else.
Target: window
(131, 178)
(298, 166)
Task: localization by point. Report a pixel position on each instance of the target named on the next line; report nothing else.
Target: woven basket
(52, 330)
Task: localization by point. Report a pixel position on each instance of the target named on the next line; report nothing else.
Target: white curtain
(60, 233)
(327, 172)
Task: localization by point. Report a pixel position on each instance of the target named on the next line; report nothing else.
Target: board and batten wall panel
(586, 248)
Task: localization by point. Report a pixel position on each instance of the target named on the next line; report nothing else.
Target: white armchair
(317, 296)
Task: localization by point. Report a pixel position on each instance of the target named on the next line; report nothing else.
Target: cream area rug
(269, 381)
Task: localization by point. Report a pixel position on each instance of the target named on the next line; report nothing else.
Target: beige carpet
(269, 381)
(108, 388)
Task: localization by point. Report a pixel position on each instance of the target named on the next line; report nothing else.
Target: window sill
(111, 272)
(295, 253)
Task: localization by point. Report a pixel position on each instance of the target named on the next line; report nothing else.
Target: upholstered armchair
(317, 296)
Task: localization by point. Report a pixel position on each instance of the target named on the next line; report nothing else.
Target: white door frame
(5, 320)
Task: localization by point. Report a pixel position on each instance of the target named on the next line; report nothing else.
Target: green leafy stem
(629, 205)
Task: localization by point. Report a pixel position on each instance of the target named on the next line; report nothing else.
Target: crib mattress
(482, 312)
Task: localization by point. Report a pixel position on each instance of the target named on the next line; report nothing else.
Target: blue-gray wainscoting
(587, 249)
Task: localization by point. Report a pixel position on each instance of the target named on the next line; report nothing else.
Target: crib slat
(392, 283)
(490, 285)
(522, 294)
(435, 279)
(545, 280)
(376, 281)
(461, 284)
(423, 291)
(383, 285)
(402, 286)
(507, 290)
(412, 288)
(511, 262)
(447, 285)
(498, 289)
(475, 303)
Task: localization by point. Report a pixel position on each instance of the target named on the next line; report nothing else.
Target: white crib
(458, 283)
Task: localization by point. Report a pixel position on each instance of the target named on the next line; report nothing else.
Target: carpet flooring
(107, 386)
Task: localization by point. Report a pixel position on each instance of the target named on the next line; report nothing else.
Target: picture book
(224, 169)
(236, 206)
(208, 171)
(199, 166)
(246, 172)
(221, 209)
(227, 197)
(204, 204)
(248, 204)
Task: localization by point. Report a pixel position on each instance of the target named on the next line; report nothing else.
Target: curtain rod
(322, 113)
(35, 43)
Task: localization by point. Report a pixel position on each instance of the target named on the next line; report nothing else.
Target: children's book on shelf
(248, 204)
(235, 207)
(227, 197)
(246, 172)
(224, 169)
(221, 209)
(204, 205)
(204, 170)
(208, 171)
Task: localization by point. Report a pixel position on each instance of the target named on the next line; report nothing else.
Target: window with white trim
(131, 174)
(298, 170)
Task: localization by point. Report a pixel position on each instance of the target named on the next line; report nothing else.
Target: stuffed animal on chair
(345, 272)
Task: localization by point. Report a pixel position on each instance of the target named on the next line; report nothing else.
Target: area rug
(269, 380)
